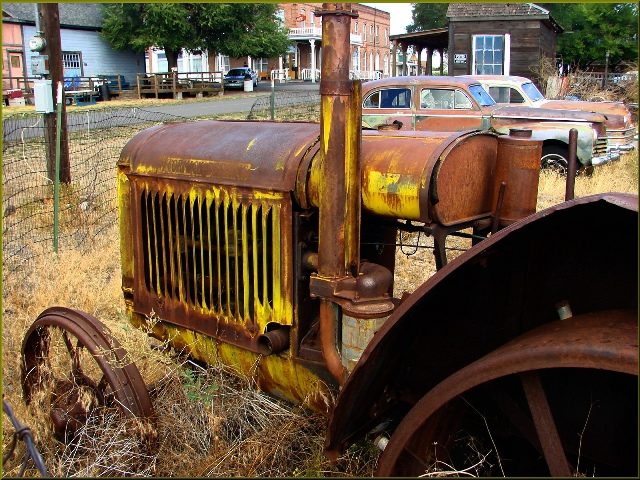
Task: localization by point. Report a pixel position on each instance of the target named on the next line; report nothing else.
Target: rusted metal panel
(463, 181)
(260, 155)
(505, 286)
(518, 165)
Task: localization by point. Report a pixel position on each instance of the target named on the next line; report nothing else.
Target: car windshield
(532, 92)
(481, 95)
(236, 72)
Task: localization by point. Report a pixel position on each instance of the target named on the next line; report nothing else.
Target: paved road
(17, 128)
(239, 101)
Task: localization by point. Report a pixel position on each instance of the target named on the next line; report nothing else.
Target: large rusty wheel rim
(543, 413)
(72, 359)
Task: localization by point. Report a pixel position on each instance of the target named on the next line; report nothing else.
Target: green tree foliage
(237, 29)
(427, 16)
(593, 28)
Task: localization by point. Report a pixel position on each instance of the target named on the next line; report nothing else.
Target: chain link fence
(88, 205)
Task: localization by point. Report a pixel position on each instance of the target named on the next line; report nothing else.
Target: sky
(400, 15)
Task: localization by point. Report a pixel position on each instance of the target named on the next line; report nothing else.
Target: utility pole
(50, 23)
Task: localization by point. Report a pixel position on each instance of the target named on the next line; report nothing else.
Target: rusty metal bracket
(364, 296)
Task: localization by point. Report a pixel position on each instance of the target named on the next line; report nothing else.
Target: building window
(280, 16)
(364, 32)
(386, 64)
(356, 27)
(489, 54)
(386, 37)
(196, 63)
(262, 64)
(72, 64)
(377, 35)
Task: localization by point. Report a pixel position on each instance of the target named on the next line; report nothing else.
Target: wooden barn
(500, 38)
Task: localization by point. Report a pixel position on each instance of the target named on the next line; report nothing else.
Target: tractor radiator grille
(214, 252)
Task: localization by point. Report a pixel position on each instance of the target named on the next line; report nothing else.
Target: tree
(427, 16)
(592, 29)
(234, 29)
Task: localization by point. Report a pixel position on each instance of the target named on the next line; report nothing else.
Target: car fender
(557, 132)
(584, 252)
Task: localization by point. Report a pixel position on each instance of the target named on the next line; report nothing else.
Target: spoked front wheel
(560, 400)
(72, 365)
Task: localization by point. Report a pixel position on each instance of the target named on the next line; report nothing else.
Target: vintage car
(440, 103)
(507, 89)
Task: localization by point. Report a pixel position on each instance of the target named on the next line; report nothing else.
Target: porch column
(249, 62)
(419, 69)
(357, 67)
(313, 60)
(394, 58)
(441, 51)
(405, 62)
(429, 61)
(280, 62)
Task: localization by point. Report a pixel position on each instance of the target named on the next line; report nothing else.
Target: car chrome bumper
(602, 159)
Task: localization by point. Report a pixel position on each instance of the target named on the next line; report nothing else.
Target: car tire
(556, 158)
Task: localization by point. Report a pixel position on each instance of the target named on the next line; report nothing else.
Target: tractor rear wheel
(560, 400)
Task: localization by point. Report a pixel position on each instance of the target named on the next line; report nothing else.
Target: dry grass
(211, 422)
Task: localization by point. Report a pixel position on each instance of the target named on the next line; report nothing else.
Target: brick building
(370, 55)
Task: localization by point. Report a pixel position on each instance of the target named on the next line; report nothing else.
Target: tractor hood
(245, 154)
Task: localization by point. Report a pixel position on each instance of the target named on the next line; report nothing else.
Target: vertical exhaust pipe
(340, 138)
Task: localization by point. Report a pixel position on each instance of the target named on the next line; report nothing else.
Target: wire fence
(88, 205)
(304, 106)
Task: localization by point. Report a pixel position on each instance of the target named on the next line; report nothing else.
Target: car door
(385, 105)
(446, 109)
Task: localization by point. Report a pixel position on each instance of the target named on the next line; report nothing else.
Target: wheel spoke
(545, 425)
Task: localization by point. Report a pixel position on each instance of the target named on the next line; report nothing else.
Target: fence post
(56, 182)
(272, 100)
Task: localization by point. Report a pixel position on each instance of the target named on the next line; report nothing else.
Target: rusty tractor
(270, 246)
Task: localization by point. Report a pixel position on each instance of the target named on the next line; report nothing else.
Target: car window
(461, 101)
(437, 98)
(389, 98)
(532, 91)
(235, 72)
(372, 101)
(481, 95)
(499, 94)
(395, 98)
(515, 96)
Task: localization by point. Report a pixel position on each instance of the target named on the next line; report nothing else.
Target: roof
(500, 11)
(81, 15)
(435, 38)
(494, 9)
(498, 78)
(420, 80)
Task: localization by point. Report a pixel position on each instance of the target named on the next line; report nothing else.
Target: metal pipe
(572, 166)
(340, 137)
(38, 30)
(274, 341)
